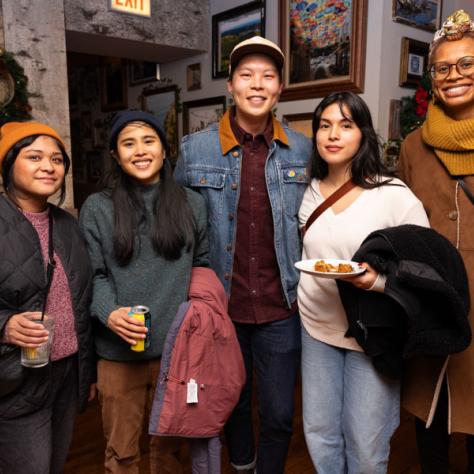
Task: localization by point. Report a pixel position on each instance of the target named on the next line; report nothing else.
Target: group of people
(241, 200)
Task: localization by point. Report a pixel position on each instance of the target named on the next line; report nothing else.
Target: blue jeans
(350, 411)
(272, 352)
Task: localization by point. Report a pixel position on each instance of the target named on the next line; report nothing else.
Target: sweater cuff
(102, 311)
(379, 284)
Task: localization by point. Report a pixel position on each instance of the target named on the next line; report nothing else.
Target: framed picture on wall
(193, 77)
(113, 84)
(418, 13)
(232, 27)
(141, 72)
(302, 123)
(413, 62)
(324, 45)
(394, 119)
(163, 103)
(95, 166)
(198, 114)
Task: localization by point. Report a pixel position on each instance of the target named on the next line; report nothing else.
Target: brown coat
(426, 176)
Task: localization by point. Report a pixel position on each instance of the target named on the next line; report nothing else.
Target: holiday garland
(413, 108)
(18, 109)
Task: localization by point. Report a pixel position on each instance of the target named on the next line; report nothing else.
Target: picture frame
(141, 72)
(324, 43)
(89, 84)
(163, 103)
(418, 13)
(413, 62)
(113, 84)
(394, 132)
(86, 124)
(302, 123)
(193, 77)
(232, 27)
(198, 114)
(95, 166)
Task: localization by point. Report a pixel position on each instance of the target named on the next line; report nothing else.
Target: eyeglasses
(464, 66)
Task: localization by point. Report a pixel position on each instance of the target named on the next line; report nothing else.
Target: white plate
(307, 266)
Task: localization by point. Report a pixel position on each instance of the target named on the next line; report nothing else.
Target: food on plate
(322, 266)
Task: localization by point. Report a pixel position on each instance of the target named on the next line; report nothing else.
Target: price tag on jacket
(192, 396)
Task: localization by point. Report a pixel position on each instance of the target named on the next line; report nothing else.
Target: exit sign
(134, 7)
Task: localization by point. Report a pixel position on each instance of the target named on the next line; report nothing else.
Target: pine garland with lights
(18, 109)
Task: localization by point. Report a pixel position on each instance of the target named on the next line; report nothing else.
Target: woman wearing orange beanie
(437, 162)
(44, 276)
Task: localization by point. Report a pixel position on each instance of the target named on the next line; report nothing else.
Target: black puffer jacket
(424, 310)
(22, 283)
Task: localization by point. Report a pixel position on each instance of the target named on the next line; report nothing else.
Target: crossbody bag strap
(465, 188)
(51, 263)
(334, 197)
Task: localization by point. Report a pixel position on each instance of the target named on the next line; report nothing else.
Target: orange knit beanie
(12, 132)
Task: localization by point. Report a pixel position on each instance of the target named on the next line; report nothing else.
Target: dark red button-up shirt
(256, 293)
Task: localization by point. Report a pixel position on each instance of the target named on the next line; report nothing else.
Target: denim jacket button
(228, 247)
(235, 154)
(226, 276)
(231, 217)
(233, 186)
(203, 180)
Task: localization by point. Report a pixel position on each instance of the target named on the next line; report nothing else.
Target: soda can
(142, 313)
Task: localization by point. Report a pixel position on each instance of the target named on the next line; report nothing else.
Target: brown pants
(125, 393)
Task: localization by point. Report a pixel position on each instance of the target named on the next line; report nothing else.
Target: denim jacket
(210, 163)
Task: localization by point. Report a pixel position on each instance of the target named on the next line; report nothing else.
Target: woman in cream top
(349, 410)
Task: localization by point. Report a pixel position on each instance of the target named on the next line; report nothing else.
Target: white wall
(382, 59)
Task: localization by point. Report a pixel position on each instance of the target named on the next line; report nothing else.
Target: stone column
(34, 32)
(2, 38)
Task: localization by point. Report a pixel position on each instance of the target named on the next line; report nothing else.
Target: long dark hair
(367, 168)
(12, 155)
(173, 227)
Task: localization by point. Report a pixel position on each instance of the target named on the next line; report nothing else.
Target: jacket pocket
(295, 178)
(210, 184)
(32, 395)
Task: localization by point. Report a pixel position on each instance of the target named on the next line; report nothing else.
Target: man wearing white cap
(252, 171)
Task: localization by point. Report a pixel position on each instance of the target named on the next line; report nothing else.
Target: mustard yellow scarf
(452, 140)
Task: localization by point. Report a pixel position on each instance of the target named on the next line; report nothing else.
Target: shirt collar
(228, 140)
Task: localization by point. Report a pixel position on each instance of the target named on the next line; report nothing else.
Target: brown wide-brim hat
(12, 132)
(256, 45)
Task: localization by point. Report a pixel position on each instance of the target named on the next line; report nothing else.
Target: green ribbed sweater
(148, 279)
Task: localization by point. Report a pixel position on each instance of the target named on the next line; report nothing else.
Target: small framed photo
(413, 62)
(162, 102)
(193, 77)
(302, 123)
(95, 166)
(86, 124)
(418, 13)
(198, 114)
(113, 86)
(232, 27)
(394, 119)
(140, 72)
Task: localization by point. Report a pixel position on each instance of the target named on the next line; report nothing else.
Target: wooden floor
(87, 450)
